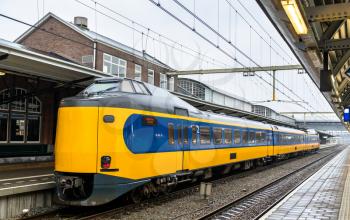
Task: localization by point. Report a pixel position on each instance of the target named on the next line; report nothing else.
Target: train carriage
(122, 135)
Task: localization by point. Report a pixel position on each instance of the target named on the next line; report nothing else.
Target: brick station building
(50, 61)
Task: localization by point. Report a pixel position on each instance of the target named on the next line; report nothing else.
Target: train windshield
(103, 87)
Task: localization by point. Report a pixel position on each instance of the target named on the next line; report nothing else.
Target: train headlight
(106, 162)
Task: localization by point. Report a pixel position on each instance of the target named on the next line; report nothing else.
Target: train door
(179, 150)
(186, 144)
(182, 138)
(274, 148)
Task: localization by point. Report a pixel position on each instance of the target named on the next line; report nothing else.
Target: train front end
(89, 137)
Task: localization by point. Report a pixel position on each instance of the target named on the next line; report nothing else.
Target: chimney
(81, 22)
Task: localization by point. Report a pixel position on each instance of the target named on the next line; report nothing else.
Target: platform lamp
(292, 10)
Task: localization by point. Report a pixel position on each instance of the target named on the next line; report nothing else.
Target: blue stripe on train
(151, 139)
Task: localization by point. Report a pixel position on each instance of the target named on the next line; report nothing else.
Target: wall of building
(43, 41)
(82, 46)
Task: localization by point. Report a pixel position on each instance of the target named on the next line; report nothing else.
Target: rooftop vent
(81, 22)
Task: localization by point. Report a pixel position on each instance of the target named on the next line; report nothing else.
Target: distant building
(214, 95)
(75, 42)
(210, 94)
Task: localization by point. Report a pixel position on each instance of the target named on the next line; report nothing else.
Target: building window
(3, 127)
(163, 81)
(138, 72)
(20, 119)
(151, 76)
(114, 65)
(191, 88)
(172, 84)
(17, 127)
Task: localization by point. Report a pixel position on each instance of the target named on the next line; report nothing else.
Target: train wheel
(136, 195)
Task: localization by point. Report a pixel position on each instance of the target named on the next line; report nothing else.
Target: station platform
(25, 177)
(325, 195)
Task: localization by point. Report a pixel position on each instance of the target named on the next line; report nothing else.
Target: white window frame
(163, 81)
(138, 72)
(152, 76)
(108, 59)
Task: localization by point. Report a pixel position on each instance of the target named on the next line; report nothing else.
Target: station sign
(347, 114)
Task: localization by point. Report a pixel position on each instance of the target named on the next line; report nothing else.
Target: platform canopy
(318, 33)
(20, 60)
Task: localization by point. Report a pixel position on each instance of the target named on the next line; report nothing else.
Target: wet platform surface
(323, 196)
(19, 178)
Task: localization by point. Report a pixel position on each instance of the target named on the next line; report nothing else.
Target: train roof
(162, 100)
(287, 130)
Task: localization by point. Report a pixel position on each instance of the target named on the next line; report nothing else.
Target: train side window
(279, 139)
(171, 136)
(237, 136)
(244, 137)
(204, 135)
(217, 136)
(194, 134)
(258, 135)
(185, 130)
(263, 137)
(227, 136)
(179, 134)
(251, 137)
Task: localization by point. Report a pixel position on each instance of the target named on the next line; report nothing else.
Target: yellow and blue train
(122, 136)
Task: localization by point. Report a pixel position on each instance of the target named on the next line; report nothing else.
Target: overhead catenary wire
(223, 51)
(257, 32)
(222, 37)
(263, 28)
(205, 57)
(265, 31)
(175, 42)
(64, 37)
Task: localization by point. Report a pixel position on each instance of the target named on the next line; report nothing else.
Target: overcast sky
(251, 35)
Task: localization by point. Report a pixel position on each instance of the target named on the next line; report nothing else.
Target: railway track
(115, 211)
(254, 201)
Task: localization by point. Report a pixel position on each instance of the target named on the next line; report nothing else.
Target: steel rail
(226, 207)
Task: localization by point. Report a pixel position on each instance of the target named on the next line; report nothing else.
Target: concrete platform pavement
(325, 195)
(20, 178)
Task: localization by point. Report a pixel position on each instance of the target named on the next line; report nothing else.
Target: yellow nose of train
(76, 139)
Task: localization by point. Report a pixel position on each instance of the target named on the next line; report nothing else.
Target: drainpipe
(94, 61)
